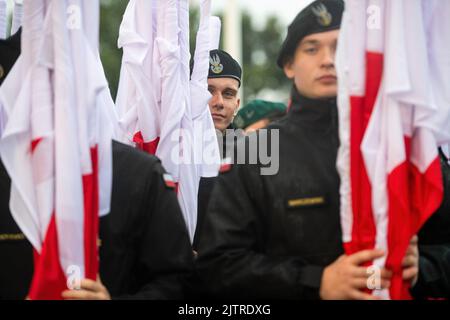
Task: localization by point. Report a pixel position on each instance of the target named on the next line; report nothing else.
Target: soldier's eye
(228, 94)
(311, 50)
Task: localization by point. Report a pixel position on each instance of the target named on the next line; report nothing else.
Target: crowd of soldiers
(253, 241)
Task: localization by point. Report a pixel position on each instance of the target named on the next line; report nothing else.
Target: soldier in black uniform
(434, 246)
(9, 52)
(12, 240)
(278, 236)
(145, 251)
(224, 81)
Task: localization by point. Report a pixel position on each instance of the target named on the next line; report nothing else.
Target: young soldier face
(312, 67)
(224, 102)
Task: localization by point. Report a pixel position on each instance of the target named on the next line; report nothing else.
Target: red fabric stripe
(149, 147)
(363, 229)
(225, 168)
(49, 280)
(413, 198)
(91, 217)
(171, 184)
(398, 233)
(34, 144)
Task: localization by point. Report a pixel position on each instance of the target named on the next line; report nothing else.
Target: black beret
(222, 65)
(9, 52)
(319, 16)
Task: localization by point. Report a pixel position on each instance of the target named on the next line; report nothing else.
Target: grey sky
(261, 9)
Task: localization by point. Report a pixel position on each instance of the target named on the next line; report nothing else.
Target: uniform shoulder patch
(169, 181)
(225, 166)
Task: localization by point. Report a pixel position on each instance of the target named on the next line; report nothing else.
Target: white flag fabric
(22, 128)
(188, 175)
(3, 19)
(173, 97)
(389, 100)
(17, 16)
(215, 26)
(57, 142)
(162, 110)
(197, 124)
(206, 148)
(27, 143)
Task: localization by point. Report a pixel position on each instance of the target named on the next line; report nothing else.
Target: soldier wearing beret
(278, 236)
(224, 82)
(257, 114)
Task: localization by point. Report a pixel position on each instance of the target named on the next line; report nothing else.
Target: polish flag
(57, 147)
(397, 134)
(138, 96)
(163, 110)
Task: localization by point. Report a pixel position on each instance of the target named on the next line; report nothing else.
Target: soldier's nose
(218, 106)
(217, 102)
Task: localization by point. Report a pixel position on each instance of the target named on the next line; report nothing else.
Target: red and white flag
(390, 174)
(162, 110)
(17, 16)
(138, 96)
(206, 148)
(57, 144)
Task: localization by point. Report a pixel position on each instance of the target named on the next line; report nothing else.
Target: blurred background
(252, 32)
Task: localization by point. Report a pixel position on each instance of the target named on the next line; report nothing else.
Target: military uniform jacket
(270, 236)
(144, 245)
(206, 185)
(9, 52)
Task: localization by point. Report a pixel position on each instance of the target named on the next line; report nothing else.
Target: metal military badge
(216, 66)
(323, 16)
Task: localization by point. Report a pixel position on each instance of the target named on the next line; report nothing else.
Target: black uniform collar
(318, 114)
(9, 52)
